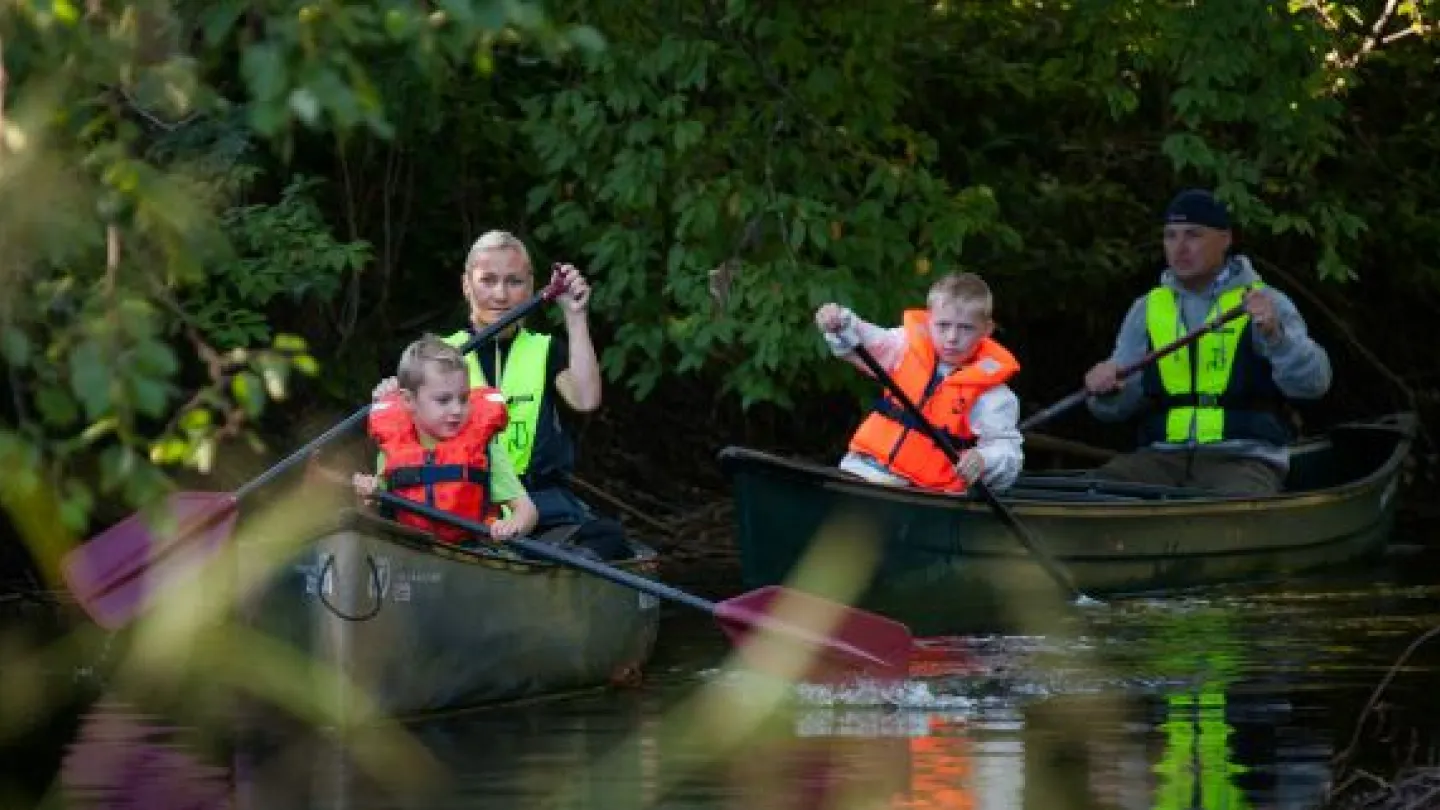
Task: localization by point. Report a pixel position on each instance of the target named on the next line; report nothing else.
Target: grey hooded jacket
(1301, 368)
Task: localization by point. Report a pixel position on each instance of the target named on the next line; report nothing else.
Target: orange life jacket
(891, 436)
(454, 475)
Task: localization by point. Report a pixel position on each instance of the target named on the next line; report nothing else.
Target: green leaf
(76, 505)
(90, 379)
(97, 430)
(16, 346)
(196, 420)
(797, 233)
(154, 358)
(150, 396)
(171, 450)
(246, 387)
(305, 364)
(586, 39)
(57, 407)
(263, 66)
(219, 18)
(285, 342)
(687, 134)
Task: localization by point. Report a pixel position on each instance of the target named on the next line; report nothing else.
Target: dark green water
(1229, 698)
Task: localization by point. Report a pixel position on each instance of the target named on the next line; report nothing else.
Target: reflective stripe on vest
(1205, 381)
(522, 381)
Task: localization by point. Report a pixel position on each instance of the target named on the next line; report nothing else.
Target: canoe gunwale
(734, 459)
(646, 559)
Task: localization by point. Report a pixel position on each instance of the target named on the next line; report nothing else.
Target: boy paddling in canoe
(944, 359)
(439, 444)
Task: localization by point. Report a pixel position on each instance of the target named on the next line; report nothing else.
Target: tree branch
(1373, 38)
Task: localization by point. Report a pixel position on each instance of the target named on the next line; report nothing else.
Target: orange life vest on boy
(891, 436)
(454, 475)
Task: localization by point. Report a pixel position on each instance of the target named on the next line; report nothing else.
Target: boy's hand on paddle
(365, 485)
(1104, 378)
(386, 387)
(832, 318)
(837, 324)
(505, 529)
(970, 466)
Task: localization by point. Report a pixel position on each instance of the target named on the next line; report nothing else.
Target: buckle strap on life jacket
(421, 475)
(892, 410)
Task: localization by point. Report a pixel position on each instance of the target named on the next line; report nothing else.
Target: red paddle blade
(114, 574)
(792, 632)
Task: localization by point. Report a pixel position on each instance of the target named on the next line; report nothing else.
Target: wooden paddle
(854, 642)
(1050, 564)
(110, 575)
(1040, 417)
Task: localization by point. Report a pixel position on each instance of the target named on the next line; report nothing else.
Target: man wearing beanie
(1209, 414)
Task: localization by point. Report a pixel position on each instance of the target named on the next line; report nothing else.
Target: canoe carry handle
(374, 611)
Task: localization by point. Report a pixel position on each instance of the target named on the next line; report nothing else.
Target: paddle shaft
(195, 526)
(1007, 517)
(1040, 417)
(552, 553)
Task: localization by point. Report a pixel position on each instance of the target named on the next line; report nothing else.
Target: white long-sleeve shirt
(994, 416)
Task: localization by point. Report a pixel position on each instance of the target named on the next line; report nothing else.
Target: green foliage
(721, 184)
(282, 249)
(724, 169)
(128, 211)
(719, 169)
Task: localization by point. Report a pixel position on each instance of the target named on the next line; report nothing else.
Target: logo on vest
(989, 366)
(1218, 357)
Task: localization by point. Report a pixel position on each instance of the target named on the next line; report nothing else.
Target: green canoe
(420, 627)
(946, 565)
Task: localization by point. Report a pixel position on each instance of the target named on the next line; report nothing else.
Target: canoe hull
(417, 627)
(947, 565)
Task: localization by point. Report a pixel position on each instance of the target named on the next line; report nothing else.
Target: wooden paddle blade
(835, 641)
(113, 575)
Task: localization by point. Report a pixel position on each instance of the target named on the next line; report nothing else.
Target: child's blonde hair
(492, 241)
(964, 288)
(427, 352)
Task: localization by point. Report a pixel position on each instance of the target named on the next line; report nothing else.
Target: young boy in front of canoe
(438, 441)
(944, 359)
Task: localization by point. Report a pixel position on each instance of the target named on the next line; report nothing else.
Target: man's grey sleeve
(1130, 346)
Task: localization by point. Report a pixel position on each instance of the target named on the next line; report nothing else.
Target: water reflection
(1213, 704)
(125, 759)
